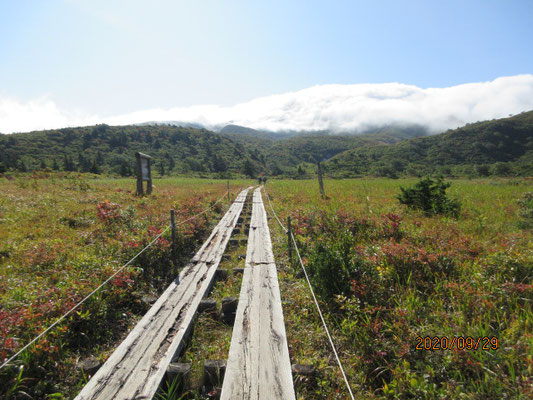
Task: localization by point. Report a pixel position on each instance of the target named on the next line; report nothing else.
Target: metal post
(289, 244)
(173, 228)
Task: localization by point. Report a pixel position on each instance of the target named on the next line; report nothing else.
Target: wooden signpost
(144, 173)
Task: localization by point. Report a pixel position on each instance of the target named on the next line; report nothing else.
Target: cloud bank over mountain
(42, 113)
(336, 108)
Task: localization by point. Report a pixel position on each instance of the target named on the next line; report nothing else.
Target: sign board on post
(144, 173)
(145, 169)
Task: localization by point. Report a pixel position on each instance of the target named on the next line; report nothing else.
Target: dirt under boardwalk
(136, 368)
(258, 363)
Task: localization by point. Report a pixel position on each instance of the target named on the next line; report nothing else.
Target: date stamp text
(457, 342)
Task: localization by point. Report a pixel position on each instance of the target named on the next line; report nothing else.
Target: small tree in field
(429, 196)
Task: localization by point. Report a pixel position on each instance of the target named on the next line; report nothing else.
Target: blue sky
(106, 58)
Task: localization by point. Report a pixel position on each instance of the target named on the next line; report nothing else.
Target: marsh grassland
(384, 275)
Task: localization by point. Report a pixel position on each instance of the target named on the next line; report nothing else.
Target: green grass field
(386, 275)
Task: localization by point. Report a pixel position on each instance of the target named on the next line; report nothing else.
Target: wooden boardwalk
(258, 364)
(136, 368)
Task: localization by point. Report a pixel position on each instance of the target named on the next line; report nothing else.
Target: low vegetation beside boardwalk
(389, 277)
(61, 235)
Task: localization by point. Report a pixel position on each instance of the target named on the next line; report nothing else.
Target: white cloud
(338, 108)
(38, 114)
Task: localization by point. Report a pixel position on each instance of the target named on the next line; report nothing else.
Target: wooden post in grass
(173, 228)
(144, 173)
(289, 244)
(320, 181)
(228, 191)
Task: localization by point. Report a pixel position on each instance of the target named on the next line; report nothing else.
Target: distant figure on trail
(262, 179)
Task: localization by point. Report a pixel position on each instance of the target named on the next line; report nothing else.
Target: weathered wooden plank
(259, 244)
(136, 368)
(241, 198)
(258, 363)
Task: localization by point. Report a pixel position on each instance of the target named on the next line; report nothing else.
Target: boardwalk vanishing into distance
(258, 364)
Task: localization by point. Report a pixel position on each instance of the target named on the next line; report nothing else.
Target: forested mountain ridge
(283, 156)
(175, 150)
(500, 147)
(110, 149)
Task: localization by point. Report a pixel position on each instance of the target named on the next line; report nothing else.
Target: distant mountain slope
(243, 130)
(240, 130)
(180, 124)
(311, 149)
(389, 133)
(104, 148)
(508, 141)
(284, 155)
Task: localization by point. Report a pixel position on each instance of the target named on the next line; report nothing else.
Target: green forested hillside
(108, 149)
(498, 147)
(285, 156)
(238, 130)
(322, 147)
(296, 154)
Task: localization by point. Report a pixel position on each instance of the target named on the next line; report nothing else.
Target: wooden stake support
(289, 241)
(320, 181)
(174, 267)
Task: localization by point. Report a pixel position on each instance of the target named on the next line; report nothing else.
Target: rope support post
(320, 181)
(289, 243)
(173, 228)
